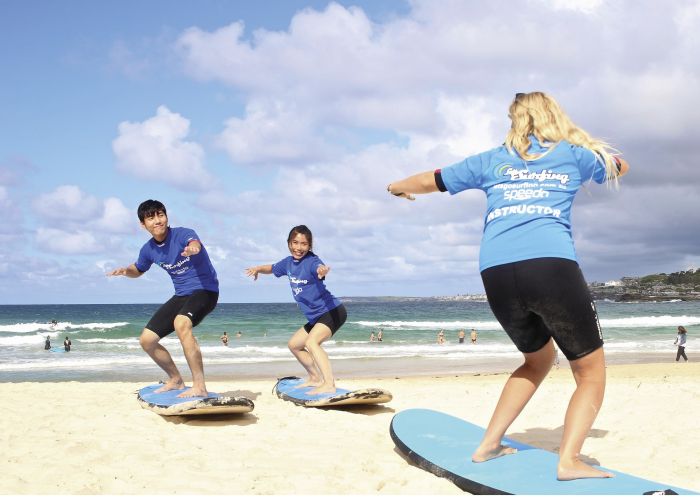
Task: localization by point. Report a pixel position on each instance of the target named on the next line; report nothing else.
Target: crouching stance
(306, 273)
(180, 252)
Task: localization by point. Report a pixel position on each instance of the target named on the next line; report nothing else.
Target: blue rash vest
(528, 212)
(189, 274)
(308, 290)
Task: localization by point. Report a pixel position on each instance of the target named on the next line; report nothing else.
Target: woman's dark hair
(681, 329)
(301, 230)
(149, 208)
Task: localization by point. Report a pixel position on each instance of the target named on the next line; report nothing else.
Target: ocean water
(105, 337)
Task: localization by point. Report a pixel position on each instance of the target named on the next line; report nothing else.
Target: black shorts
(334, 319)
(541, 298)
(195, 306)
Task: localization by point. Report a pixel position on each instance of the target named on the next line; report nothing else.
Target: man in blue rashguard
(180, 252)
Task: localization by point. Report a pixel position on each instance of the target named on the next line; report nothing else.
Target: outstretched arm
(130, 271)
(256, 270)
(193, 248)
(322, 270)
(622, 166)
(418, 183)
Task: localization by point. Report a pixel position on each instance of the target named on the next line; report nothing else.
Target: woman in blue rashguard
(528, 264)
(325, 313)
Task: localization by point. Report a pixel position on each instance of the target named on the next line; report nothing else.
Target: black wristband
(439, 182)
(618, 164)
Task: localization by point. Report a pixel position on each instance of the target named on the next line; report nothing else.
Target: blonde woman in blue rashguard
(528, 263)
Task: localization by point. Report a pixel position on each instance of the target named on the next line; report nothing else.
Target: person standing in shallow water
(680, 341)
(179, 252)
(67, 344)
(47, 343)
(528, 264)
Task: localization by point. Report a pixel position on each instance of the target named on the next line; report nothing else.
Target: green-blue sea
(106, 347)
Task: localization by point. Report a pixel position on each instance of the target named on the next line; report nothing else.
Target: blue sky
(246, 118)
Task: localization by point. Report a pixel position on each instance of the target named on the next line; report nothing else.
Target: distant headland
(683, 285)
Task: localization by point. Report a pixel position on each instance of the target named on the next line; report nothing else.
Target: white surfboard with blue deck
(288, 389)
(169, 404)
(443, 444)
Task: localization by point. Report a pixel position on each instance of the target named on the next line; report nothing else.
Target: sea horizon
(105, 338)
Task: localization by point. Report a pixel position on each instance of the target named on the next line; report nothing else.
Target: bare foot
(322, 389)
(578, 470)
(482, 454)
(194, 392)
(310, 383)
(171, 385)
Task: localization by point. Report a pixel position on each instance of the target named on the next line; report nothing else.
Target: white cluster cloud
(272, 135)
(79, 223)
(65, 242)
(156, 149)
(67, 203)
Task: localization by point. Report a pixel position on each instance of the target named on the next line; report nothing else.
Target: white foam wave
(69, 361)
(432, 325)
(628, 322)
(111, 341)
(81, 359)
(61, 326)
(650, 321)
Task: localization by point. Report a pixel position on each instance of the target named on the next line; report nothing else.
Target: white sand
(94, 438)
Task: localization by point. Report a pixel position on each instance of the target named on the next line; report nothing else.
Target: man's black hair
(149, 208)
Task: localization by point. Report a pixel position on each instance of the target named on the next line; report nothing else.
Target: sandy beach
(94, 438)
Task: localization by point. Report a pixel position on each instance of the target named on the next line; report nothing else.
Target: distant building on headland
(684, 285)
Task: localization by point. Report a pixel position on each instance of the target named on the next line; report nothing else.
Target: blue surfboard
(169, 404)
(287, 388)
(443, 444)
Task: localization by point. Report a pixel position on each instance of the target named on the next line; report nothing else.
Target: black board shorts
(195, 306)
(543, 298)
(334, 319)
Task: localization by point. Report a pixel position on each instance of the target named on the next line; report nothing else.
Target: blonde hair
(538, 114)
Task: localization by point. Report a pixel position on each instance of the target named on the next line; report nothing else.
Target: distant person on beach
(325, 313)
(473, 335)
(47, 343)
(441, 337)
(528, 265)
(67, 344)
(460, 336)
(380, 335)
(239, 334)
(224, 339)
(680, 341)
(180, 252)
(372, 337)
(52, 324)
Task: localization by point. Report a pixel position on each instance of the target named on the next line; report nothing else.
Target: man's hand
(193, 248)
(118, 272)
(252, 271)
